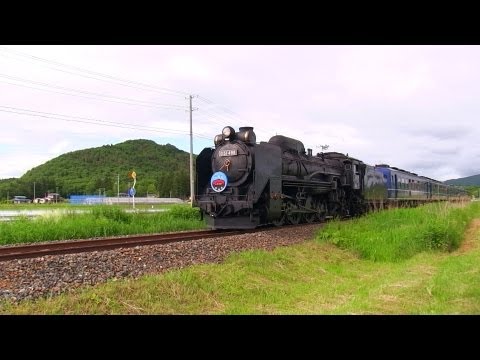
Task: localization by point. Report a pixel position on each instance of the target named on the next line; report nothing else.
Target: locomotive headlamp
(218, 140)
(228, 132)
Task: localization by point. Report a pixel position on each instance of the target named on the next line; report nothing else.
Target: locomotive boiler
(242, 184)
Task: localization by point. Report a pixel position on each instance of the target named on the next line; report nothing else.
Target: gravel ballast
(54, 274)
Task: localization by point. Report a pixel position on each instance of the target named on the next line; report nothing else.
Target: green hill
(473, 180)
(161, 169)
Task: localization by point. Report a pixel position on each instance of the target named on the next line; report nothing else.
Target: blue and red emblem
(219, 181)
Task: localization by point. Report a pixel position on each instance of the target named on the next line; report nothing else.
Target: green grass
(97, 222)
(65, 205)
(316, 277)
(32, 206)
(310, 278)
(399, 234)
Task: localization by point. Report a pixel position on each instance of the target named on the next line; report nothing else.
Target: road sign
(131, 192)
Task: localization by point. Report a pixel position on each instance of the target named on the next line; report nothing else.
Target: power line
(207, 119)
(226, 110)
(94, 73)
(128, 100)
(208, 101)
(103, 77)
(93, 121)
(207, 112)
(218, 115)
(37, 58)
(227, 117)
(83, 91)
(216, 112)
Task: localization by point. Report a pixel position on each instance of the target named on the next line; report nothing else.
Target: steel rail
(87, 245)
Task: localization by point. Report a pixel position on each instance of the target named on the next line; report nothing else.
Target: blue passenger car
(403, 184)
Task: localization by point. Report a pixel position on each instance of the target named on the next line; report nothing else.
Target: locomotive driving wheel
(280, 221)
(311, 215)
(321, 208)
(293, 216)
(276, 222)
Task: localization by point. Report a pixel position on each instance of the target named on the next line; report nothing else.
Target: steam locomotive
(241, 184)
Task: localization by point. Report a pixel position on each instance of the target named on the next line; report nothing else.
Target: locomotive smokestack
(247, 135)
(309, 152)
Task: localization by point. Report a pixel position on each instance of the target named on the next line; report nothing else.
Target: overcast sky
(413, 107)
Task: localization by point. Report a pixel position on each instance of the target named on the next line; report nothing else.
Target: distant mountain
(473, 180)
(161, 169)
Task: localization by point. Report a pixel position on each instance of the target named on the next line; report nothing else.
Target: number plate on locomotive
(227, 152)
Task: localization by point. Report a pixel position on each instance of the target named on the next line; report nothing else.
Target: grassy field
(428, 270)
(97, 221)
(66, 206)
(399, 234)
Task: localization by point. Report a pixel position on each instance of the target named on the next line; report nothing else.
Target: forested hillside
(473, 180)
(469, 183)
(161, 169)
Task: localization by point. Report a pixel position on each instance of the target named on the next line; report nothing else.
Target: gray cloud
(440, 132)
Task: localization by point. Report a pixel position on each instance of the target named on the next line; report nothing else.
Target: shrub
(183, 212)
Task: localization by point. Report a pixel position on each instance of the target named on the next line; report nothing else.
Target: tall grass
(98, 222)
(399, 234)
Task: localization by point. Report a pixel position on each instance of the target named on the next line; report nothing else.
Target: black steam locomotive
(242, 184)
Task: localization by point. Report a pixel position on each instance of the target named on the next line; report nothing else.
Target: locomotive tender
(242, 184)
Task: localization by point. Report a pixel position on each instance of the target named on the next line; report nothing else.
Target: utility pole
(118, 185)
(33, 191)
(192, 187)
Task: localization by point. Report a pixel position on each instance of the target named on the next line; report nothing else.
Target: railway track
(78, 246)
(13, 252)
